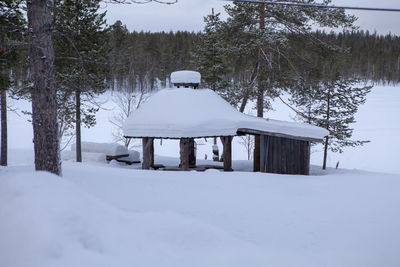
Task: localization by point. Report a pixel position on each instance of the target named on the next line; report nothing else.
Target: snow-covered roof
(184, 112)
(185, 76)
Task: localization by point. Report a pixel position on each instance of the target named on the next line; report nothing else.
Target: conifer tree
(12, 25)
(209, 55)
(263, 32)
(81, 54)
(327, 98)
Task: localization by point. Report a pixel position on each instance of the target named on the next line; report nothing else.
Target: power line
(314, 5)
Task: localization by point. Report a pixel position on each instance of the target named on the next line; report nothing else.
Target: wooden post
(184, 153)
(227, 146)
(192, 154)
(148, 153)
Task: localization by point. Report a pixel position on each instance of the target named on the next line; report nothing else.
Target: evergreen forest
(144, 60)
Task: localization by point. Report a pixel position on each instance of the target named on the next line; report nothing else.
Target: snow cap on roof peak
(185, 77)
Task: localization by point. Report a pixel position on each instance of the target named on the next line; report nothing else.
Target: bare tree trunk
(325, 152)
(44, 105)
(328, 111)
(78, 126)
(244, 102)
(260, 94)
(3, 156)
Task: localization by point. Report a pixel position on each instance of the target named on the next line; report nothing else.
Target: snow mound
(133, 156)
(86, 156)
(110, 149)
(185, 76)
(47, 221)
(203, 113)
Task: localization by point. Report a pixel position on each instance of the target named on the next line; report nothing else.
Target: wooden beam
(148, 153)
(184, 153)
(227, 146)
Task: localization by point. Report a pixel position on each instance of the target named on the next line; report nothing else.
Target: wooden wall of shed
(284, 156)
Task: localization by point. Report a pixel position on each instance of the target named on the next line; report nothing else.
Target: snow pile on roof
(177, 113)
(185, 76)
(110, 149)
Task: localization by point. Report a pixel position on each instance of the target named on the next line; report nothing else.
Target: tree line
(145, 59)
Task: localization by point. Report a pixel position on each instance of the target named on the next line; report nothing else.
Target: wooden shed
(187, 114)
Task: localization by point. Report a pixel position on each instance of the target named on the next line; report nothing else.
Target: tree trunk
(325, 152)
(244, 102)
(78, 126)
(3, 161)
(260, 94)
(328, 113)
(44, 105)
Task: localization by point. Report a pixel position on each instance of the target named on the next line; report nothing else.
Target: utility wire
(314, 5)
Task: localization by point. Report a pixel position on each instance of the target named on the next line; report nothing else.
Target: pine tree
(209, 54)
(263, 32)
(326, 98)
(11, 28)
(81, 56)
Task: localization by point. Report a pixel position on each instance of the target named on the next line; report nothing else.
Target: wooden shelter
(187, 114)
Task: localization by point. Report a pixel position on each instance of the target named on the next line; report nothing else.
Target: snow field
(107, 216)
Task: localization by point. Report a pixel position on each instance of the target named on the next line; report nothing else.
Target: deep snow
(100, 215)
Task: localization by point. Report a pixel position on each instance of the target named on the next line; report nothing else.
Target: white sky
(188, 15)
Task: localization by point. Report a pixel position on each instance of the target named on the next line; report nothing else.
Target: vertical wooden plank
(291, 158)
(148, 153)
(267, 140)
(227, 146)
(256, 157)
(285, 142)
(184, 153)
(262, 153)
(307, 156)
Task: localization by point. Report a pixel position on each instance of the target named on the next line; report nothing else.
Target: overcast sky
(188, 15)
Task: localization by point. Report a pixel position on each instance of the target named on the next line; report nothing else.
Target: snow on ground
(106, 216)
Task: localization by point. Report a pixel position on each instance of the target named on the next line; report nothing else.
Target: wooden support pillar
(192, 153)
(148, 153)
(184, 153)
(227, 146)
